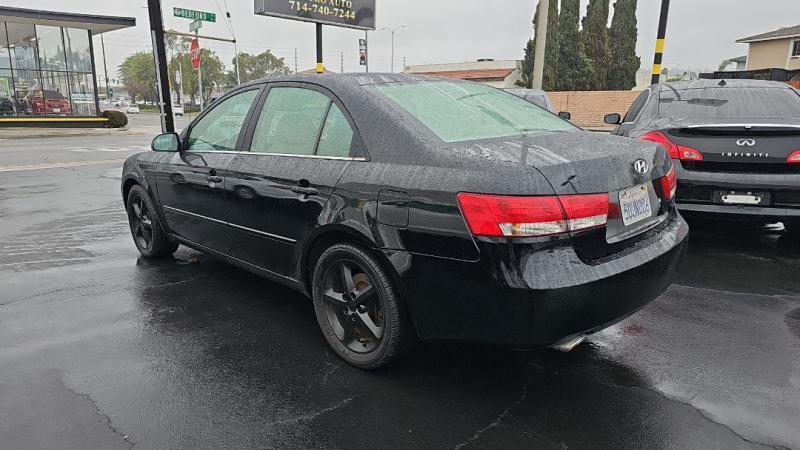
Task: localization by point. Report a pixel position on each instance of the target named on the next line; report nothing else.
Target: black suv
(736, 144)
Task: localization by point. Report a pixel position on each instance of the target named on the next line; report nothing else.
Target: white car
(130, 108)
(177, 110)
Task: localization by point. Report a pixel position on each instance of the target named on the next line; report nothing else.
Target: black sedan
(411, 207)
(736, 144)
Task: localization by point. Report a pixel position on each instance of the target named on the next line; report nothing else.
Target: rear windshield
(723, 102)
(458, 112)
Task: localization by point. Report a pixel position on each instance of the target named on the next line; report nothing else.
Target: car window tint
(219, 129)
(290, 121)
(337, 135)
(636, 107)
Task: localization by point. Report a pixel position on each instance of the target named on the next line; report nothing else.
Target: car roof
(350, 81)
(735, 84)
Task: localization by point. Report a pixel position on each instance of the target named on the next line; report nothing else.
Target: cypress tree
(574, 68)
(595, 42)
(623, 35)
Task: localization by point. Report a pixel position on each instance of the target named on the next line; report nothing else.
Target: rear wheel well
(322, 243)
(126, 188)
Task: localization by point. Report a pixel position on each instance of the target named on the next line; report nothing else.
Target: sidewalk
(9, 133)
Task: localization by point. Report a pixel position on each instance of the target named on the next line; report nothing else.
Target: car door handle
(304, 190)
(214, 179)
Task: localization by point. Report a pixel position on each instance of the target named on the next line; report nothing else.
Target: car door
(300, 142)
(190, 184)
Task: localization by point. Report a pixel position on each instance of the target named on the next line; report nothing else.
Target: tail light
(509, 216)
(669, 184)
(794, 158)
(675, 151)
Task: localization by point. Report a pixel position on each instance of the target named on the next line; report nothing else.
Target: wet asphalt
(100, 348)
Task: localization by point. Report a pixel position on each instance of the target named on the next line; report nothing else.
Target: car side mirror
(168, 142)
(566, 115)
(612, 119)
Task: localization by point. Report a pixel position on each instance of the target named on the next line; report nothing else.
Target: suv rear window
(457, 111)
(725, 102)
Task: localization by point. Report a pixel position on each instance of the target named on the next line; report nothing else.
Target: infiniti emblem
(641, 167)
(746, 143)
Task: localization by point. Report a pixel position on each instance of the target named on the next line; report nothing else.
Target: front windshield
(458, 112)
(725, 102)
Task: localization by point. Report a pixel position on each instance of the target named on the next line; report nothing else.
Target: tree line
(587, 55)
(138, 74)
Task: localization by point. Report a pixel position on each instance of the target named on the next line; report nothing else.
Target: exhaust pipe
(568, 343)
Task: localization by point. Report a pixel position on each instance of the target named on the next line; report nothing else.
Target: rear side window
(636, 107)
(290, 121)
(337, 135)
(457, 111)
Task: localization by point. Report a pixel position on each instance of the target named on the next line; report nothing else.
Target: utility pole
(541, 45)
(236, 49)
(404, 63)
(200, 71)
(662, 33)
(295, 60)
(160, 54)
(342, 63)
(105, 64)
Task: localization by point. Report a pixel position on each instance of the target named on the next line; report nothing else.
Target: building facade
(47, 68)
(779, 49)
(499, 74)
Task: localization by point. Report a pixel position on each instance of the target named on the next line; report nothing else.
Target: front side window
(636, 107)
(290, 121)
(219, 129)
(457, 111)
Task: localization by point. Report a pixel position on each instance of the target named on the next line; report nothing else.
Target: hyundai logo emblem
(641, 167)
(746, 142)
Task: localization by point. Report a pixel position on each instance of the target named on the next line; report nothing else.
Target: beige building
(499, 74)
(779, 49)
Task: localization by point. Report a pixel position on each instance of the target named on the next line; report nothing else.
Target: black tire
(146, 230)
(792, 227)
(364, 321)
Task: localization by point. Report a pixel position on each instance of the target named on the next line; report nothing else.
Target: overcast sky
(701, 33)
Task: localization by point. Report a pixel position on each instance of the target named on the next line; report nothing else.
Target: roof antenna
(722, 83)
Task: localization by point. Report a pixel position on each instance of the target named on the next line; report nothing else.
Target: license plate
(634, 203)
(56, 110)
(741, 199)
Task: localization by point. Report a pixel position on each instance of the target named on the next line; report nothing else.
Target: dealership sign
(358, 14)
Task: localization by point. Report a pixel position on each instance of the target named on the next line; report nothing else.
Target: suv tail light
(669, 184)
(510, 216)
(675, 151)
(794, 158)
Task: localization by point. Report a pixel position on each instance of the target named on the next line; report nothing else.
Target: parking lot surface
(102, 349)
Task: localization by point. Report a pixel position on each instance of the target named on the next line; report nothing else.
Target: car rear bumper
(529, 296)
(696, 193)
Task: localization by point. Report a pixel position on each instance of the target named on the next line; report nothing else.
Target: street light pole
(105, 64)
(393, 30)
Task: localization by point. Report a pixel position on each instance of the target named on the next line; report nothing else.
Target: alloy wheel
(141, 223)
(353, 306)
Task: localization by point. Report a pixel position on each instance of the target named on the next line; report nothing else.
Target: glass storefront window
(51, 48)
(45, 71)
(79, 53)
(5, 51)
(82, 90)
(23, 45)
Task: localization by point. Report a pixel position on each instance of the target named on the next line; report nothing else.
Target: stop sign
(195, 54)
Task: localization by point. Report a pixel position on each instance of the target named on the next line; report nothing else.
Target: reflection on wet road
(101, 349)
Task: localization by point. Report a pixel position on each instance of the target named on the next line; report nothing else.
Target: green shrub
(116, 119)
